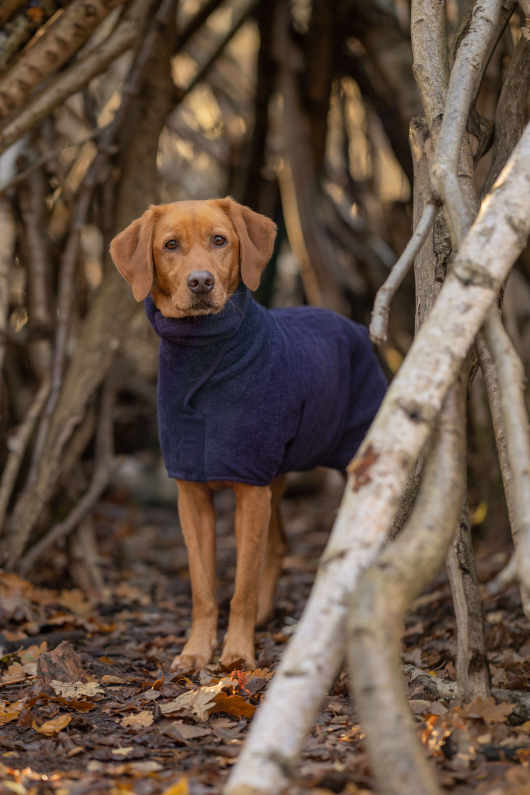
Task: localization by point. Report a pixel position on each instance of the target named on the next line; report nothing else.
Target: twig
(506, 577)
(510, 373)
(383, 299)
(22, 28)
(379, 603)
(51, 50)
(76, 76)
(378, 475)
(44, 158)
(106, 464)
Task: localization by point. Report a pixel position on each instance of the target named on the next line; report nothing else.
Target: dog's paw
(230, 656)
(195, 655)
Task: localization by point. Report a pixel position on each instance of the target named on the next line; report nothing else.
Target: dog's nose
(200, 282)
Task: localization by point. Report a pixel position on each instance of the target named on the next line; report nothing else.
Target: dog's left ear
(256, 234)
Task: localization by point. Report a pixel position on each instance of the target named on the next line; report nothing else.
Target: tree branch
(385, 294)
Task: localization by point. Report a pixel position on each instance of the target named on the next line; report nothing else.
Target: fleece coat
(250, 393)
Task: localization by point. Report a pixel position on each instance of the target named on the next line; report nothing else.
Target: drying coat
(250, 393)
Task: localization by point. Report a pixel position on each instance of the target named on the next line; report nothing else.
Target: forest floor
(130, 725)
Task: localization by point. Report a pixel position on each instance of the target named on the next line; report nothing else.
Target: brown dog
(191, 256)
(245, 395)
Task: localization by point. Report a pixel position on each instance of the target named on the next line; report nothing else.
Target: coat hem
(228, 478)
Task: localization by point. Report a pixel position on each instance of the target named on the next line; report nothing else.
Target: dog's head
(191, 255)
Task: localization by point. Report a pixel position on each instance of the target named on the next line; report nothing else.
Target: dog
(245, 395)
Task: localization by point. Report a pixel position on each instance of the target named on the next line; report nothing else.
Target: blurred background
(297, 109)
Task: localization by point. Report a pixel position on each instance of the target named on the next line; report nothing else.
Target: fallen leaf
(143, 718)
(76, 602)
(180, 788)
(15, 672)
(119, 751)
(9, 712)
(234, 705)
(51, 727)
(487, 710)
(30, 654)
(108, 679)
(198, 703)
(74, 689)
(78, 749)
(107, 660)
(185, 731)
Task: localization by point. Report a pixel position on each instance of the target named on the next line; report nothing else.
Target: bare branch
(466, 76)
(22, 28)
(7, 255)
(510, 372)
(76, 76)
(378, 475)
(51, 50)
(385, 294)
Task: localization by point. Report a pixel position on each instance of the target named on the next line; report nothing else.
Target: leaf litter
(117, 720)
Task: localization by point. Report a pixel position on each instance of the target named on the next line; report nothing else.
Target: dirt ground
(122, 722)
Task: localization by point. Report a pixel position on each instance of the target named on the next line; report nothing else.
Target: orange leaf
(51, 727)
(234, 705)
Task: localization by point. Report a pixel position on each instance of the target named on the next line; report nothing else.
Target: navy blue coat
(251, 393)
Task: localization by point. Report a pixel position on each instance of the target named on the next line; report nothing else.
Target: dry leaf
(30, 654)
(234, 705)
(199, 703)
(180, 788)
(9, 712)
(14, 673)
(76, 602)
(75, 689)
(143, 718)
(487, 710)
(123, 751)
(108, 679)
(186, 731)
(51, 727)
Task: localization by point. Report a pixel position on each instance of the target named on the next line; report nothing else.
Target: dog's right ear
(132, 252)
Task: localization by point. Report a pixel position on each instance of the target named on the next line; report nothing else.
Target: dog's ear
(256, 235)
(132, 252)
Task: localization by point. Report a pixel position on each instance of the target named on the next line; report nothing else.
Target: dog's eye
(171, 244)
(219, 240)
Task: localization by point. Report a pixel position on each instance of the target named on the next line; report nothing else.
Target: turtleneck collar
(203, 329)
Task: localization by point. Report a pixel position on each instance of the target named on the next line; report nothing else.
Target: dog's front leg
(197, 519)
(253, 512)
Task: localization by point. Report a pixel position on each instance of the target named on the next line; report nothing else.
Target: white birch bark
(379, 473)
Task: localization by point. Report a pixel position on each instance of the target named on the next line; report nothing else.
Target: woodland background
(300, 110)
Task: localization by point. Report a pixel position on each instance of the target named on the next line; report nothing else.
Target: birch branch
(466, 76)
(51, 50)
(383, 596)
(385, 294)
(378, 474)
(510, 372)
(76, 76)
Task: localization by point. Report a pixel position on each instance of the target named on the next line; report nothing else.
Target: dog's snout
(200, 282)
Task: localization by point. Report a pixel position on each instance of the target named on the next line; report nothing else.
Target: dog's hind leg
(276, 548)
(197, 519)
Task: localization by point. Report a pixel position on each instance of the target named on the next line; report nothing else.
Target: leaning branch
(379, 473)
(385, 294)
